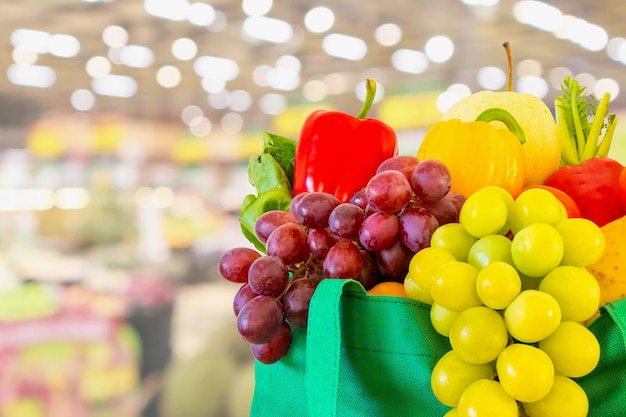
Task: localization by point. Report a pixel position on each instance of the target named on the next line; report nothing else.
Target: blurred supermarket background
(125, 130)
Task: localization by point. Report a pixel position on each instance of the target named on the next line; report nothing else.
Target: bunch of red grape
(370, 239)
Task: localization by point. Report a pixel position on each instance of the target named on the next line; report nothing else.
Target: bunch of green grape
(509, 288)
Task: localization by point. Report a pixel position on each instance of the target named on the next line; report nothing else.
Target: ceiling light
(82, 100)
(260, 74)
(190, 112)
(267, 29)
(200, 126)
(289, 62)
(409, 61)
(557, 75)
(216, 68)
(211, 85)
(31, 40)
(168, 76)
(115, 85)
(200, 14)
(31, 75)
(529, 67)
(184, 49)
(439, 48)
(98, 66)
(136, 56)
(24, 56)
(480, 2)
(63, 46)
(538, 14)
(446, 100)
(167, 9)
(220, 100)
(232, 123)
(614, 46)
(530, 84)
(256, 7)
(606, 85)
(115, 36)
(71, 198)
(459, 89)
(283, 79)
(240, 100)
(336, 83)
(344, 46)
(585, 79)
(388, 34)
(315, 90)
(272, 104)
(319, 19)
(491, 78)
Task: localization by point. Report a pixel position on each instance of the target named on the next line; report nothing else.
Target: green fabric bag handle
(369, 355)
(323, 350)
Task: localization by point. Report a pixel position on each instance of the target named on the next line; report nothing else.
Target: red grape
(234, 264)
(242, 296)
(388, 191)
(393, 262)
(345, 220)
(402, 163)
(268, 275)
(343, 260)
(443, 209)
(260, 318)
(319, 242)
(416, 228)
(359, 198)
(276, 348)
(270, 220)
(296, 301)
(430, 180)
(314, 209)
(289, 243)
(379, 231)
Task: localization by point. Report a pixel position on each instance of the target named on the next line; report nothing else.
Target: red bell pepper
(338, 153)
(586, 173)
(622, 189)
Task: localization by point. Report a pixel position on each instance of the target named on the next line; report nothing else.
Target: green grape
(575, 289)
(583, 241)
(573, 349)
(489, 249)
(565, 399)
(535, 205)
(452, 413)
(487, 398)
(532, 316)
(508, 200)
(452, 375)
(498, 284)
(478, 335)
(442, 318)
(415, 292)
(530, 283)
(483, 213)
(454, 238)
(525, 372)
(454, 286)
(537, 249)
(424, 263)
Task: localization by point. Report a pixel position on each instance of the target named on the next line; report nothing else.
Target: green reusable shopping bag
(372, 356)
(606, 385)
(360, 356)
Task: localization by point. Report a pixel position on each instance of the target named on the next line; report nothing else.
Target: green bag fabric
(372, 356)
(606, 385)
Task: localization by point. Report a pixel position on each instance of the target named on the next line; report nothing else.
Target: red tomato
(570, 205)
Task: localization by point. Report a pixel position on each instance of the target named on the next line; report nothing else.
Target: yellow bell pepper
(478, 154)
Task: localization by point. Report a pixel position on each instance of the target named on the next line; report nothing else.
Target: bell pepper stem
(505, 117)
(370, 93)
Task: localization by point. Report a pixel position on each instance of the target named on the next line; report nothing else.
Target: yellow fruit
(610, 269)
(542, 150)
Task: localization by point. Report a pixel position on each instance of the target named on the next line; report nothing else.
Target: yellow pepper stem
(501, 115)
